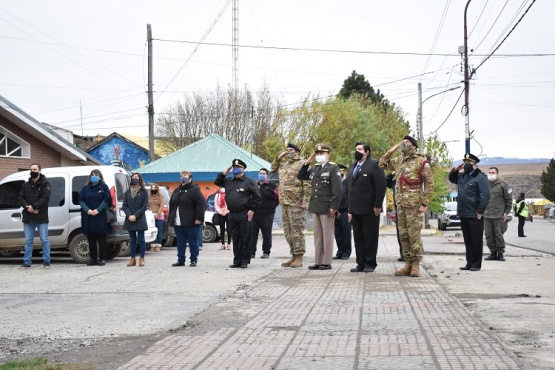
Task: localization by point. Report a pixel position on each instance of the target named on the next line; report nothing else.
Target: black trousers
(240, 228)
(366, 232)
(521, 221)
(343, 234)
(262, 222)
(100, 253)
(224, 225)
(473, 234)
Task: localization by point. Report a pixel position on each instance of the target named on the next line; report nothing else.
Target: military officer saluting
(325, 196)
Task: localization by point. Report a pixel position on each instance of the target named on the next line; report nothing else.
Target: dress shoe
(368, 269)
(345, 257)
(92, 263)
(101, 263)
(193, 263)
(336, 258)
(401, 258)
(474, 269)
(244, 265)
(325, 267)
(465, 268)
(522, 236)
(500, 257)
(178, 264)
(357, 269)
(314, 267)
(265, 255)
(234, 266)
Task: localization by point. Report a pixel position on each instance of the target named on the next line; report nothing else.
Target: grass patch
(40, 364)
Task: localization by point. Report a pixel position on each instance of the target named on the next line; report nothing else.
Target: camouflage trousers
(294, 222)
(410, 224)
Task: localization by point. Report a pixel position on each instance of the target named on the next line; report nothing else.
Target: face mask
(185, 180)
(237, 171)
(134, 181)
(468, 167)
(321, 159)
(358, 156)
(95, 179)
(34, 175)
(405, 148)
(342, 174)
(291, 155)
(261, 177)
(492, 177)
(154, 191)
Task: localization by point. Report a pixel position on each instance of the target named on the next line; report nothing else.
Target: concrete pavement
(301, 319)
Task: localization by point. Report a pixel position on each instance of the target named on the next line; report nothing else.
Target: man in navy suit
(366, 187)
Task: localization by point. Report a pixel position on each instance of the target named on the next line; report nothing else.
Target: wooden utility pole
(150, 98)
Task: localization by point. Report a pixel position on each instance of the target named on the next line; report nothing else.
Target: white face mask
(321, 159)
(492, 177)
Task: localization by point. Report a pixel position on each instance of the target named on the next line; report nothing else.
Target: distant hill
(500, 160)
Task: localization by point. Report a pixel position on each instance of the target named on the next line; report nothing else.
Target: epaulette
(332, 163)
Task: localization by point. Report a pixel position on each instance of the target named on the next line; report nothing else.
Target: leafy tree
(548, 181)
(440, 161)
(357, 84)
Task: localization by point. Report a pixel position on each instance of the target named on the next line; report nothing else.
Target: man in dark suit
(342, 225)
(366, 192)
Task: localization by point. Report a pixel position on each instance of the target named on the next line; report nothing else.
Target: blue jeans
(160, 227)
(133, 242)
(29, 231)
(184, 234)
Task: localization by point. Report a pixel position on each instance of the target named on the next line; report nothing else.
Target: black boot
(500, 257)
(491, 257)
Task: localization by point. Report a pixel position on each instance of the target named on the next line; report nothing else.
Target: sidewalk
(301, 319)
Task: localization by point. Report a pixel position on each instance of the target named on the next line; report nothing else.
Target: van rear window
(76, 185)
(9, 194)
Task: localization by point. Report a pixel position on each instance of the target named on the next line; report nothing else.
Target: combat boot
(491, 257)
(415, 271)
(500, 257)
(298, 262)
(405, 271)
(288, 263)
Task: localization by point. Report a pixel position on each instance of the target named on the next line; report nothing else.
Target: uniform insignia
(427, 165)
(236, 161)
(319, 147)
(510, 190)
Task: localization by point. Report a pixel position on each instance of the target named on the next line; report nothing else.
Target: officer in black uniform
(342, 225)
(263, 218)
(242, 198)
(324, 201)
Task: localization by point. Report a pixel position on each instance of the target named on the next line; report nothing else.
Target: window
(9, 194)
(57, 192)
(76, 185)
(13, 146)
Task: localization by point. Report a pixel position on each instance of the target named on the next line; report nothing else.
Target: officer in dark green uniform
(324, 201)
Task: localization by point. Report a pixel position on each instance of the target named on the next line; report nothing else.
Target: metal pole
(466, 108)
(419, 119)
(150, 98)
(252, 129)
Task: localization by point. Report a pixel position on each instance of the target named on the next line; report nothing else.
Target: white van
(64, 211)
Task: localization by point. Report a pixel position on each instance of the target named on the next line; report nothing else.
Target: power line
(449, 115)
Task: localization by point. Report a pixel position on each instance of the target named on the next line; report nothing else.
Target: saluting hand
(227, 171)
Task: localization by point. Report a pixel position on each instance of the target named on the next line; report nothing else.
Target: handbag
(111, 216)
(215, 219)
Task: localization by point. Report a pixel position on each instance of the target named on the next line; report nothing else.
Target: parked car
(64, 211)
(211, 231)
(448, 217)
(392, 216)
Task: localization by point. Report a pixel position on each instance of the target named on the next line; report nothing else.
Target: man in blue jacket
(472, 200)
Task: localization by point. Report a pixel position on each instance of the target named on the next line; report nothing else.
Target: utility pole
(235, 42)
(150, 98)
(252, 129)
(466, 107)
(419, 119)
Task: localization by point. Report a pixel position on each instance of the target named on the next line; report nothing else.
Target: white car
(449, 217)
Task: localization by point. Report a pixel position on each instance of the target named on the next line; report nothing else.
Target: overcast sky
(60, 55)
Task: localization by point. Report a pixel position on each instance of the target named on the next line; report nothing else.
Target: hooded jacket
(36, 194)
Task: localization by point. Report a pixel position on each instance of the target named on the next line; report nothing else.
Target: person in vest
(521, 210)
(34, 197)
(413, 192)
(495, 216)
(263, 218)
(324, 201)
(472, 200)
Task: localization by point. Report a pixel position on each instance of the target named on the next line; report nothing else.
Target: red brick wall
(40, 152)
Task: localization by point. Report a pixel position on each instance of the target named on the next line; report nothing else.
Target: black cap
(291, 145)
(411, 139)
(471, 157)
(342, 166)
(239, 163)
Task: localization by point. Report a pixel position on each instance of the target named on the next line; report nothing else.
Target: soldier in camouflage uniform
(413, 191)
(293, 196)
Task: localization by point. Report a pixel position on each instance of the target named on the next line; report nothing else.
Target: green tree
(357, 84)
(548, 181)
(440, 161)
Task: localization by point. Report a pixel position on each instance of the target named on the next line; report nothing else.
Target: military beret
(291, 145)
(238, 163)
(342, 166)
(411, 139)
(322, 148)
(471, 157)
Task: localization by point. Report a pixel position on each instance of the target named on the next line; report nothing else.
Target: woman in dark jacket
(135, 204)
(94, 198)
(186, 215)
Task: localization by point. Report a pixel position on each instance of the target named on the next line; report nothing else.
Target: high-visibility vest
(524, 212)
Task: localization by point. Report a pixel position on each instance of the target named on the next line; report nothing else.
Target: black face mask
(468, 167)
(154, 191)
(34, 175)
(358, 155)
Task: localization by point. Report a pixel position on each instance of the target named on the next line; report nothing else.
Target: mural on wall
(120, 149)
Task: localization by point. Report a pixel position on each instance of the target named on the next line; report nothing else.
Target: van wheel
(7, 253)
(79, 248)
(124, 251)
(209, 234)
(113, 251)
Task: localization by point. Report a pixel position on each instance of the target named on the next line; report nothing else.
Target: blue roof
(204, 158)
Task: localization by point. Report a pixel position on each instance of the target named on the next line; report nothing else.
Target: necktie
(357, 169)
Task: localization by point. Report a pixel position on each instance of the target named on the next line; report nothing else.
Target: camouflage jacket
(415, 180)
(292, 191)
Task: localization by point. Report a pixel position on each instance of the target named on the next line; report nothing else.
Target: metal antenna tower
(235, 42)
